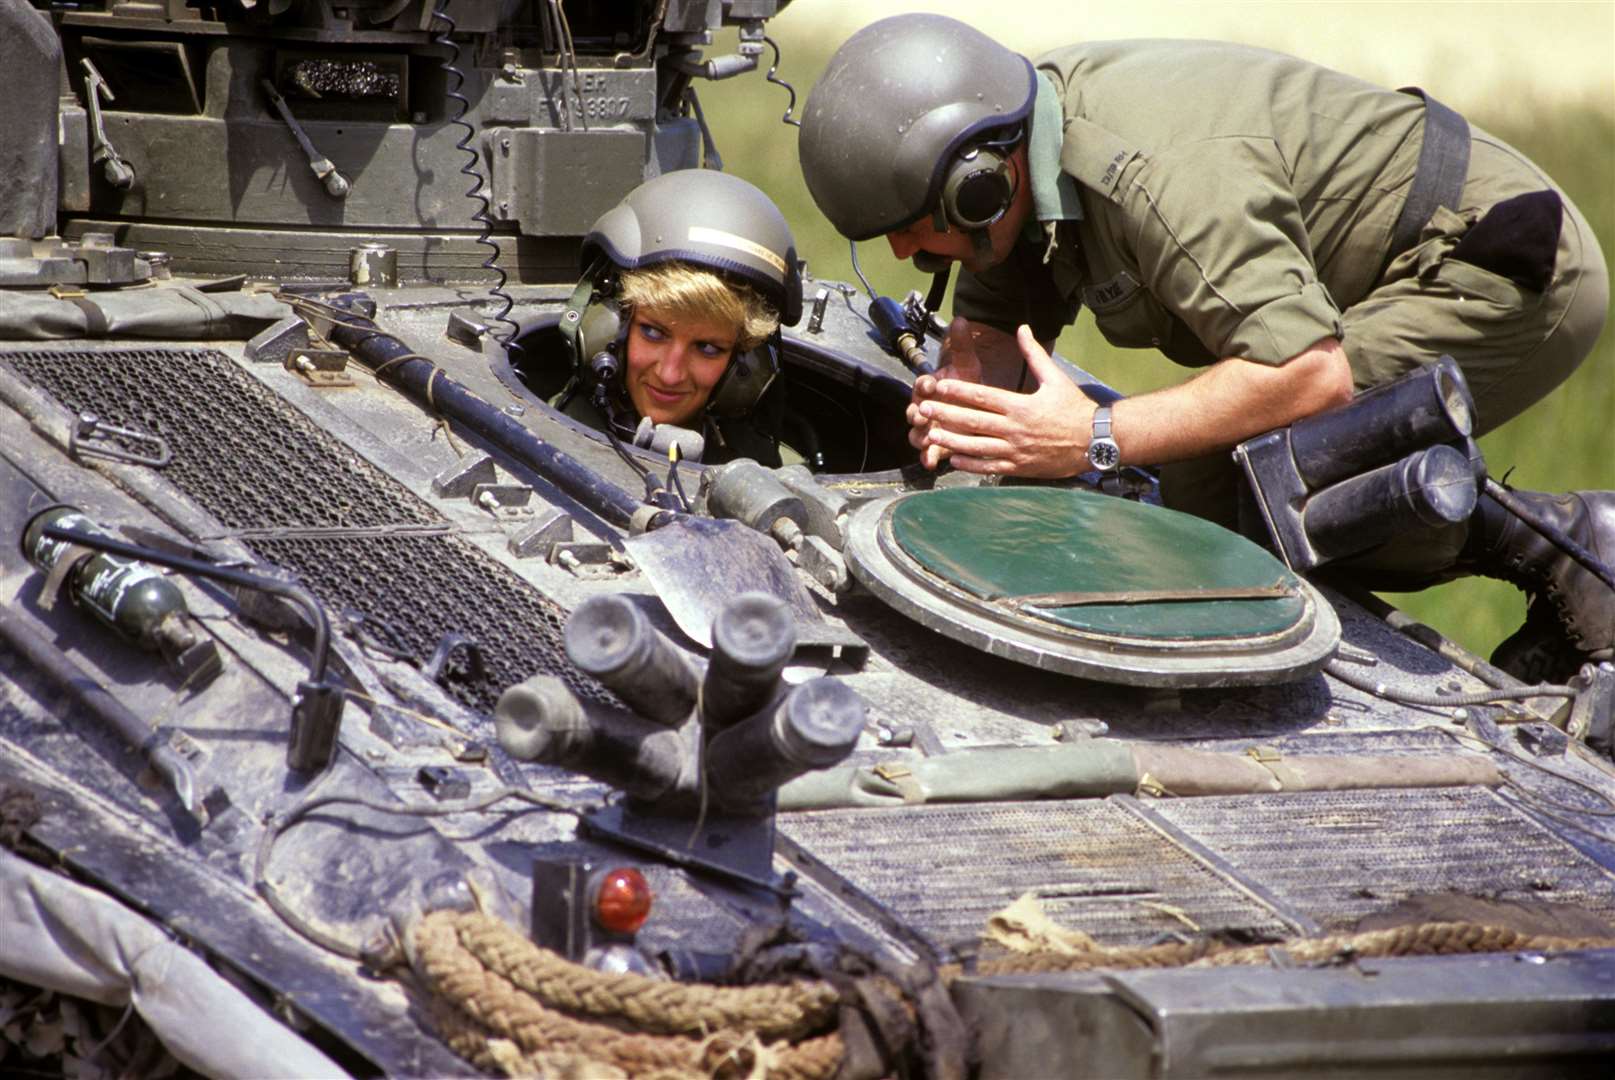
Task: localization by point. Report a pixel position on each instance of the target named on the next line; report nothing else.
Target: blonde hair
(678, 288)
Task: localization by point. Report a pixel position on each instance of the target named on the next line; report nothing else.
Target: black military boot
(1571, 615)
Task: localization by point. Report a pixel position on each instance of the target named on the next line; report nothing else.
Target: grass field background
(1540, 75)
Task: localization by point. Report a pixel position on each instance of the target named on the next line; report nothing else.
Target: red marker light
(622, 900)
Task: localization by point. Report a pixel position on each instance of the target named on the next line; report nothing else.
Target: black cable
(603, 405)
(938, 290)
(844, 407)
(852, 246)
(274, 829)
(674, 482)
(470, 170)
(769, 76)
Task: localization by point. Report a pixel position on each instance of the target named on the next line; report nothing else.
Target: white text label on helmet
(701, 235)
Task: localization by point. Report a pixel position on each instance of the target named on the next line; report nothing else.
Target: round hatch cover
(1092, 585)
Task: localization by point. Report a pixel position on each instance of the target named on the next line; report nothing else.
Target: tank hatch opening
(840, 416)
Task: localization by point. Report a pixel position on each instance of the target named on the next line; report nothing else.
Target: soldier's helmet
(899, 102)
(709, 220)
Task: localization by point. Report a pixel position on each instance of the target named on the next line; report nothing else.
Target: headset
(978, 188)
(595, 327)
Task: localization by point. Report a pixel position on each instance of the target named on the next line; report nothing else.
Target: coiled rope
(512, 1007)
(1424, 939)
(507, 1005)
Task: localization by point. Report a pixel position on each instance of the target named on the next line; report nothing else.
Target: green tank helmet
(898, 109)
(707, 219)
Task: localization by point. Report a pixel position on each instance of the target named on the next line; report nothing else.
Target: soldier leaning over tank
(676, 320)
(1295, 232)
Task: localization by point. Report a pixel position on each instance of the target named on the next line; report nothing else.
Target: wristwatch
(1103, 453)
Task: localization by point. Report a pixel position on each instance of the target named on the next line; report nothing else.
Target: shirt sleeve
(1220, 242)
(1018, 290)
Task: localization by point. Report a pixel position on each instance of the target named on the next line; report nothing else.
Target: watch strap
(1103, 453)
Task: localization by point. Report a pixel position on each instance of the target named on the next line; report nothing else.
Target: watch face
(1103, 454)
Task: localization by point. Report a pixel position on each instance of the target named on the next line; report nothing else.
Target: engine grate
(1340, 855)
(253, 462)
(1332, 857)
(944, 869)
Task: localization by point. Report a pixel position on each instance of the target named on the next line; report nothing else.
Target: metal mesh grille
(239, 451)
(1337, 856)
(252, 461)
(420, 587)
(945, 869)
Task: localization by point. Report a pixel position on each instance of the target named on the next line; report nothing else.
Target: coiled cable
(769, 76)
(469, 169)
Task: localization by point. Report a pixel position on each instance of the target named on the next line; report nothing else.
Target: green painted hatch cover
(1168, 576)
(1106, 588)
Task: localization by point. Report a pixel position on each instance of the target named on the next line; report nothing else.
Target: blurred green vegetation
(1565, 442)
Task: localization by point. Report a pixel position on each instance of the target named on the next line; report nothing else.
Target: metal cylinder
(131, 597)
(754, 496)
(541, 720)
(753, 638)
(611, 639)
(817, 725)
(1427, 406)
(891, 323)
(373, 265)
(659, 439)
(1432, 487)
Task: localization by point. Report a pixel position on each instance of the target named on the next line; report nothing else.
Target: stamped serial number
(605, 108)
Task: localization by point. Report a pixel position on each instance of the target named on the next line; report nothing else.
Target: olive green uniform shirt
(1233, 201)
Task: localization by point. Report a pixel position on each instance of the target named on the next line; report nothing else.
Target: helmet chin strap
(981, 245)
(981, 242)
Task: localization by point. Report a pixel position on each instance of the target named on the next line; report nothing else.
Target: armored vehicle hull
(314, 419)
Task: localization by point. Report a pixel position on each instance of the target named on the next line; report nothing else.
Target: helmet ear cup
(597, 336)
(744, 381)
(602, 328)
(977, 189)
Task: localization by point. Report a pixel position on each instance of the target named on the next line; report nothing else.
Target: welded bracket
(323, 369)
